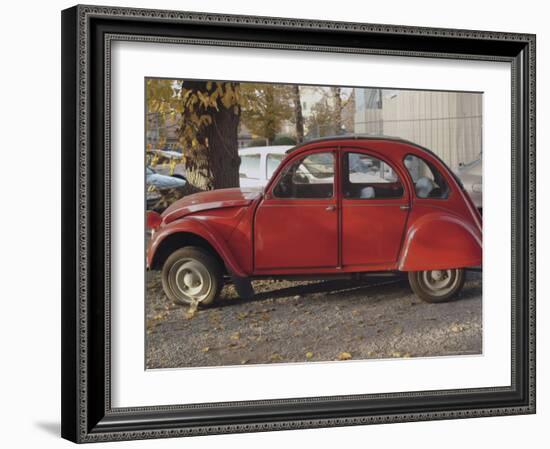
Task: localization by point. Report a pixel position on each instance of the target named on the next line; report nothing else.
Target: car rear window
(428, 181)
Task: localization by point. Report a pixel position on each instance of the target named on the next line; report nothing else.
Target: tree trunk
(271, 122)
(336, 92)
(298, 116)
(223, 154)
(216, 164)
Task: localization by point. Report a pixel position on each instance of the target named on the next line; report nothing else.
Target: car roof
(272, 149)
(377, 142)
(347, 137)
(404, 146)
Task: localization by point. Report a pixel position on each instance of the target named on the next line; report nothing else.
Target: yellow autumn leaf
(235, 336)
(227, 99)
(344, 356)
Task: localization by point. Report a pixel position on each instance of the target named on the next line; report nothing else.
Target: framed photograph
(276, 224)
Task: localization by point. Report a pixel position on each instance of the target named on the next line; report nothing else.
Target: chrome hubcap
(191, 279)
(440, 282)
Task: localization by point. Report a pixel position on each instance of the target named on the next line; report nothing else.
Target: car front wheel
(437, 285)
(191, 275)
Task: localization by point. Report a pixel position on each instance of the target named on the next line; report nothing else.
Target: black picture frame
(87, 32)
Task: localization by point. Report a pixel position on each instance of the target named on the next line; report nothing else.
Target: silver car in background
(162, 189)
(167, 162)
(471, 176)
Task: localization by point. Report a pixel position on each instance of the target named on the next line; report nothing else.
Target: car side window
(366, 177)
(309, 177)
(250, 166)
(428, 181)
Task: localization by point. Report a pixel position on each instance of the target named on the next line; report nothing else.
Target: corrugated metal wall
(448, 123)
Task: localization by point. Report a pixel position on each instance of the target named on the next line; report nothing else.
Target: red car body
(254, 233)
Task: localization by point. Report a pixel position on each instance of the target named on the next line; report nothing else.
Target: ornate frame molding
(80, 415)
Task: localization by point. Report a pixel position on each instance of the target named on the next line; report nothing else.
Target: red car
(347, 206)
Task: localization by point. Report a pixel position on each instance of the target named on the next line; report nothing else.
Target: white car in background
(259, 163)
(471, 176)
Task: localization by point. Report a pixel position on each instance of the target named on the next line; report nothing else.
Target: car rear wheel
(437, 285)
(191, 275)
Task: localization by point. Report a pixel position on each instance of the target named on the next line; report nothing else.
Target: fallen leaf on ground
(309, 355)
(235, 336)
(344, 356)
(191, 311)
(398, 330)
(205, 349)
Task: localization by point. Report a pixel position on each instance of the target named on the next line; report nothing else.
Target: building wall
(448, 123)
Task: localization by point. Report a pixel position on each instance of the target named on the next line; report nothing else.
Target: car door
(296, 224)
(375, 207)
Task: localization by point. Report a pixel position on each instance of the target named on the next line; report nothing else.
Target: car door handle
(404, 207)
(330, 208)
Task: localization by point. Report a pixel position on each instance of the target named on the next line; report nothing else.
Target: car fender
(440, 241)
(196, 226)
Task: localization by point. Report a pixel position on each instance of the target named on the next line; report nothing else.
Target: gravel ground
(311, 321)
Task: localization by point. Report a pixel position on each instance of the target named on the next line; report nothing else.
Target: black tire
(192, 269)
(425, 286)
